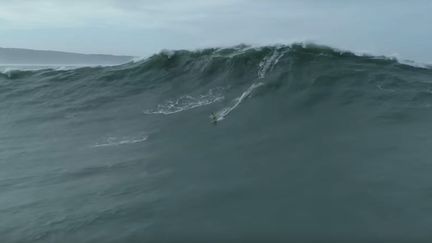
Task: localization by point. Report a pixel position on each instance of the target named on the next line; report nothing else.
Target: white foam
(168, 53)
(140, 59)
(269, 62)
(220, 115)
(415, 64)
(7, 71)
(8, 68)
(239, 50)
(113, 141)
(393, 56)
(266, 65)
(187, 102)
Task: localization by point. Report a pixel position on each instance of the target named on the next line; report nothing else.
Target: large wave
(312, 144)
(182, 80)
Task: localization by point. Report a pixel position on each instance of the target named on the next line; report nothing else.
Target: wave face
(298, 143)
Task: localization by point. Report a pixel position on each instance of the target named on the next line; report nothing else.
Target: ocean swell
(312, 144)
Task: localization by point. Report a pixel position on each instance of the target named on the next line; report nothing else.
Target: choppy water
(296, 143)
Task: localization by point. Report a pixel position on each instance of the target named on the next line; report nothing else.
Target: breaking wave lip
(187, 102)
(114, 141)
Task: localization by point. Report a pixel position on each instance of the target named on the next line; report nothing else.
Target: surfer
(213, 118)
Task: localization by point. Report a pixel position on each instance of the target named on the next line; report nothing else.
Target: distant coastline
(17, 56)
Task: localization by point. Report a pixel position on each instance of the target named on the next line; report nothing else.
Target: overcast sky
(142, 27)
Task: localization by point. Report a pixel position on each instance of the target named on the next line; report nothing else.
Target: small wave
(113, 141)
(220, 115)
(415, 64)
(187, 102)
(140, 59)
(6, 70)
(66, 68)
(168, 53)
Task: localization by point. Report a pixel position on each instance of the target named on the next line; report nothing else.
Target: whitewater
(312, 144)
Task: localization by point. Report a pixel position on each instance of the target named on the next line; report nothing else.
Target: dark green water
(311, 144)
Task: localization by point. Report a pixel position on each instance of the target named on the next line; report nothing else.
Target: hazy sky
(142, 27)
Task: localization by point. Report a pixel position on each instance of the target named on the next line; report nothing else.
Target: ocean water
(296, 143)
